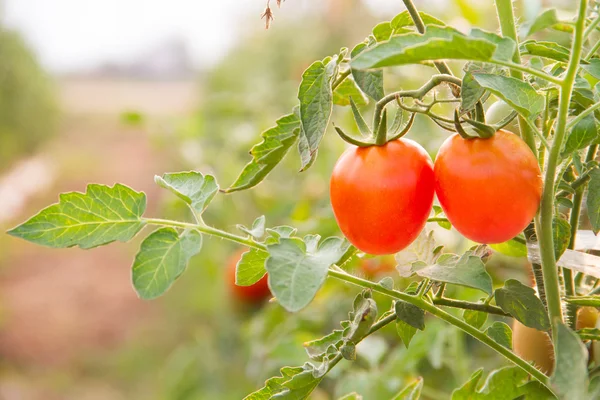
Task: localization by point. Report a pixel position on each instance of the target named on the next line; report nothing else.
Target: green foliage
(475, 318)
(316, 103)
(505, 383)
(251, 267)
(97, 217)
(28, 109)
(501, 333)
(521, 302)
(297, 268)
(411, 392)
(570, 377)
(518, 94)
(162, 258)
(410, 314)
(192, 187)
(593, 200)
(437, 43)
(562, 236)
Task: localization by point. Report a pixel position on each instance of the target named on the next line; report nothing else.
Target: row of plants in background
(488, 182)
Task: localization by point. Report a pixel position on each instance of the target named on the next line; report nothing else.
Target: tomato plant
(525, 190)
(253, 293)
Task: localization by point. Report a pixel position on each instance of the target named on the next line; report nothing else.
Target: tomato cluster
(489, 189)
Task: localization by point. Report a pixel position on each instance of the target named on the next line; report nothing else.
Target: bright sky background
(73, 34)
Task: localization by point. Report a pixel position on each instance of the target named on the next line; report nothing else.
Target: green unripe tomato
(497, 112)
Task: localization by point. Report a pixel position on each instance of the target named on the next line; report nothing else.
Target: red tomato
(251, 294)
(490, 189)
(382, 195)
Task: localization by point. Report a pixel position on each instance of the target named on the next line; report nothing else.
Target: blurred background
(120, 90)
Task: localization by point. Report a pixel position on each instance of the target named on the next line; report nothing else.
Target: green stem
(465, 305)
(441, 314)
(208, 230)
(592, 51)
(340, 274)
(591, 27)
(419, 93)
(545, 235)
(416, 17)
(530, 71)
(584, 114)
(340, 78)
(506, 17)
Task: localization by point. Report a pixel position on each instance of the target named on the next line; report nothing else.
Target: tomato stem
(544, 233)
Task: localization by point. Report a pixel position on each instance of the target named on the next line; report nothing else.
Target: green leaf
(383, 31)
(411, 314)
(500, 333)
(467, 270)
(504, 383)
(436, 43)
(251, 267)
(316, 103)
(404, 19)
(420, 252)
(192, 187)
(545, 20)
(471, 92)
(405, 331)
(370, 82)
(593, 68)
(162, 258)
(267, 154)
(258, 228)
(411, 392)
(521, 302)
(362, 317)
(570, 377)
(561, 232)
(294, 383)
(584, 133)
(593, 200)
(475, 318)
(550, 50)
(97, 217)
(518, 94)
(511, 248)
(295, 274)
(349, 90)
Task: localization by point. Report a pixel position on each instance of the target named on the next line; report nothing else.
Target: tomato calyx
(382, 134)
(483, 130)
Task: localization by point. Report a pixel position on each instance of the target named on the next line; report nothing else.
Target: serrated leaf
(411, 392)
(362, 317)
(584, 133)
(475, 318)
(570, 377)
(467, 270)
(294, 383)
(295, 275)
(316, 103)
(195, 189)
(500, 333)
(349, 90)
(162, 258)
(251, 267)
(471, 92)
(518, 94)
(561, 232)
(257, 230)
(370, 82)
(101, 215)
(317, 348)
(545, 20)
(521, 302)
(436, 43)
(411, 314)
(550, 50)
(593, 200)
(276, 142)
